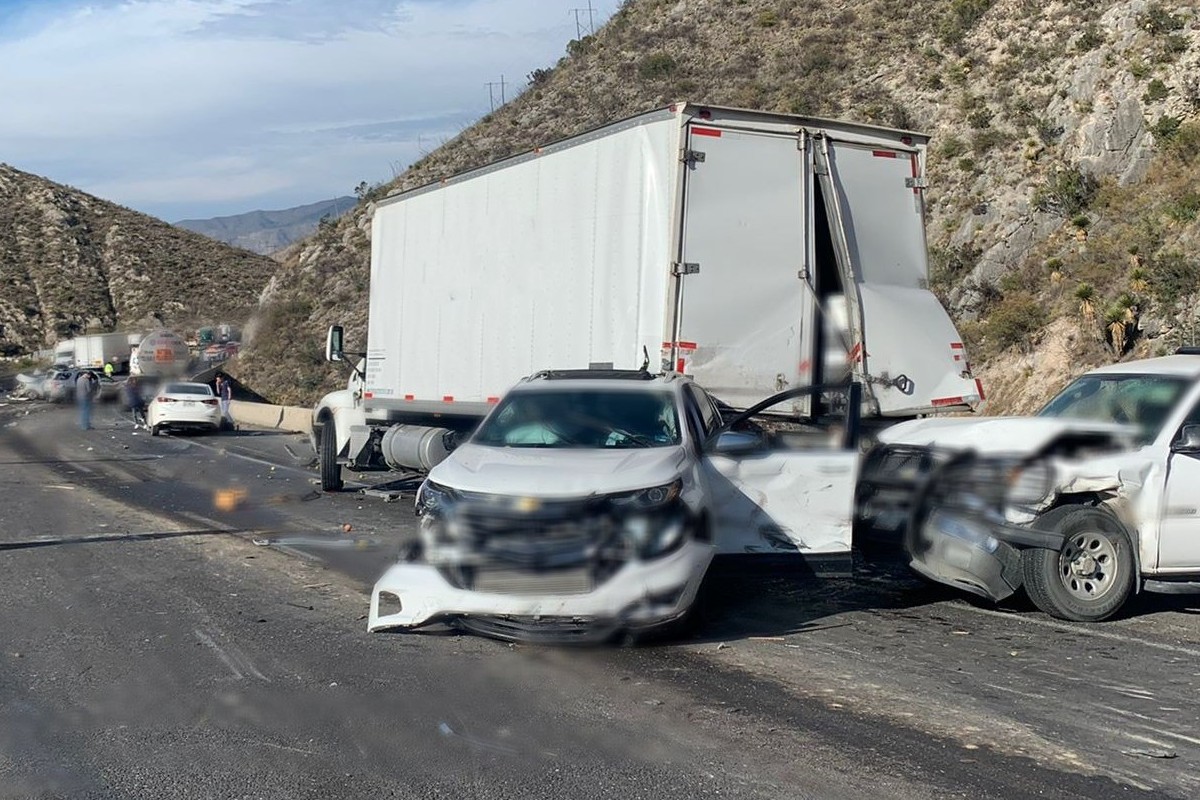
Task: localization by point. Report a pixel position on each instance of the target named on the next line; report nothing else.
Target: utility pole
(492, 94)
(591, 13)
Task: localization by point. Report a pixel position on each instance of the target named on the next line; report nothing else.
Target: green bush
(1067, 192)
(1173, 275)
(656, 66)
(1155, 91)
(768, 18)
(1018, 316)
(953, 147)
(1166, 127)
(1185, 209)
(1090, 39)
(958, 17)
(1157, 20)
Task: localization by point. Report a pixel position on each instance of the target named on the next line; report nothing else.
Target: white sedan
(184, 406)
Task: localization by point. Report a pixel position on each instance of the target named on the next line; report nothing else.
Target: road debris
(1151, 753)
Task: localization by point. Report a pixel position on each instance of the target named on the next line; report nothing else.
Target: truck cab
(1094, 498)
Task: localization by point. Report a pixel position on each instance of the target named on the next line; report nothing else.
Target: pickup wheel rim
(1088, 566)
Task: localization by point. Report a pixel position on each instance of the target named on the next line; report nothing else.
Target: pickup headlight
(1030, 484)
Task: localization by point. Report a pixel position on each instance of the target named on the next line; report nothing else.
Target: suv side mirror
(333, 343)
(737, 442)
(1188, 441)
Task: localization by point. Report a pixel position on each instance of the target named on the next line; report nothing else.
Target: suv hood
(553, 472)
(1016, 435)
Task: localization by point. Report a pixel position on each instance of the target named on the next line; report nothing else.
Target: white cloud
(196, 107)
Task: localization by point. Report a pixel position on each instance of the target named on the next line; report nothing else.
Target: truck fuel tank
(415, 447)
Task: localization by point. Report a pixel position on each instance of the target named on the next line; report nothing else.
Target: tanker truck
(754, 252)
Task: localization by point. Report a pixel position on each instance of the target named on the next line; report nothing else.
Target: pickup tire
(331, 470)
(1093, 575)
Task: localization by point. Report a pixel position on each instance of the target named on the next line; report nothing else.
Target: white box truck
(752, 251)
(93, 351)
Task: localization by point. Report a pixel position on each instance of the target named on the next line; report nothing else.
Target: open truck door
(906, 350)
(743, 245)
(785, 490)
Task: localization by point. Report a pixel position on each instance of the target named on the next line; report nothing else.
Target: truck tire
(331, 470)
(1093, 575)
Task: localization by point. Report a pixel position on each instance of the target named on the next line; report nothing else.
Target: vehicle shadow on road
(743, 604)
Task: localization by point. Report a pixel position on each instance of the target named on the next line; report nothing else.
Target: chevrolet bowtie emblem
(527, 504)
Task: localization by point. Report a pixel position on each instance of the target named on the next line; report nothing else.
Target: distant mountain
(71, 262)
(267, 232)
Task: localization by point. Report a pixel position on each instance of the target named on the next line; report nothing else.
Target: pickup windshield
(1141, 400)
(579, 418)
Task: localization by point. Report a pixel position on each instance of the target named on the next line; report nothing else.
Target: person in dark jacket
(135, 401)
(86, 388)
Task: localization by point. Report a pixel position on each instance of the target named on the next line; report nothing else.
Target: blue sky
(197, 108)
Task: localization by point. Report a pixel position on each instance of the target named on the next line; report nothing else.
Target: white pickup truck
(1094, 498)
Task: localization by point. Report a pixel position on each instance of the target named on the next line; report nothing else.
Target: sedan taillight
(165, 399)
(209, 402)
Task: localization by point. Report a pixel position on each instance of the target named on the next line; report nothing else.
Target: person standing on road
(85, 392)
(225, 394)
(108, 370)
(137, 404)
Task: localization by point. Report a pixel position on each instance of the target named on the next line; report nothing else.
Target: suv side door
(790, 500)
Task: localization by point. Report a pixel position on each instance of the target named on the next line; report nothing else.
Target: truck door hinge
(693, 157)
(686, 268)
(916, 183)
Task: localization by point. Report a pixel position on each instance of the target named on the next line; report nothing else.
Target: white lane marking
(1099, 634)
(236, 661)
(221, 654)
(260, 461)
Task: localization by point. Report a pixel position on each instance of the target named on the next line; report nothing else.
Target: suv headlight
(647, 499)
(433, 498)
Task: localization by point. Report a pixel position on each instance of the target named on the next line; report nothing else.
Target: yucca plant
(1138, 281)
(1116, 323)
(1086, 294)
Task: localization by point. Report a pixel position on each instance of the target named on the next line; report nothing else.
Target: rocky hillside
(267, 232)
(70, 262)
(1064, 171)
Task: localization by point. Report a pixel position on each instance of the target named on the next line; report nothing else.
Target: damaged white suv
(1093, 499)
(590, 503)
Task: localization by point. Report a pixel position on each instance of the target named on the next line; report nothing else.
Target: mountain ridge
(269, 231)
(71, 262)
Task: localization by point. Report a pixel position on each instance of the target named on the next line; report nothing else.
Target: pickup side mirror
(1188, 441)
(333, 343)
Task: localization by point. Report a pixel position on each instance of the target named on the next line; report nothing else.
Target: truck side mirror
(333, 343)
(1188, 441)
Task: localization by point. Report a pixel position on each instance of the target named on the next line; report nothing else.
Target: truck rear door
(907, 350)
(743, 310)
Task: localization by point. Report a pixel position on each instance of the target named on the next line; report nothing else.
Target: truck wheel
(1093, 575)
(331, 470)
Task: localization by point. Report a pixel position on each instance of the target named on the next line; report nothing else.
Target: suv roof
(1186, 365)
(593, 378)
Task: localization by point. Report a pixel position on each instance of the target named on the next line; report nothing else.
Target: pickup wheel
(331, 470)
(1093, 575)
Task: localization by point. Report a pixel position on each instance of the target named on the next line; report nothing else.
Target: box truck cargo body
(93, 351)
(755, 252)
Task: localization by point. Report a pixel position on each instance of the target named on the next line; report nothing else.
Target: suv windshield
(1142, 400)
(582, 418)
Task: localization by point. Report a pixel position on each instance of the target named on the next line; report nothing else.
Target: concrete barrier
(262, 415)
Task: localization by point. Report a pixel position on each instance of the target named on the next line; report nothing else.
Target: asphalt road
(185, 617)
